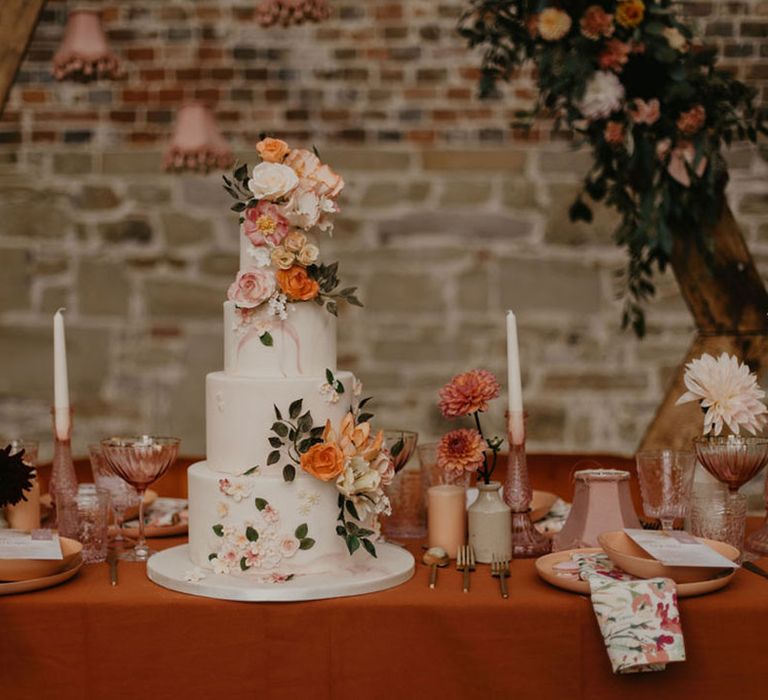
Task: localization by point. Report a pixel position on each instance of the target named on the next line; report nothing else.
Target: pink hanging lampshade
(84, 53)
(291, 12)
(197, 143)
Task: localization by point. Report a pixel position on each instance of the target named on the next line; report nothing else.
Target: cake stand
(393, 566)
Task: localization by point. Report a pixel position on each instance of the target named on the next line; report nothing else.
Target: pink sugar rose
(265, 224)
(251, 289)
(270, 514)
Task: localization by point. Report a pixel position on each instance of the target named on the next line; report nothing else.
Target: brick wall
(449, 218)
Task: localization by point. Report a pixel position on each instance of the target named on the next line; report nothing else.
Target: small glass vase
(490, 524)
(757, 542)
(718, 514)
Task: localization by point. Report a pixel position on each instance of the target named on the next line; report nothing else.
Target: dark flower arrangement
(630, 79)
(15, 477)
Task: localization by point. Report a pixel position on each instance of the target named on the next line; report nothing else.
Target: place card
(673, 548)
(37, 544)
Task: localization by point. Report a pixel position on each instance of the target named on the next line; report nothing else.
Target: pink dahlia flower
(467, 393)
(461, 450)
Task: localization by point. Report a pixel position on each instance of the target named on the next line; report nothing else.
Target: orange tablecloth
(86, 639)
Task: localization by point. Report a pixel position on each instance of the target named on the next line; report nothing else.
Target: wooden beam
(729, 303)
(18, 19)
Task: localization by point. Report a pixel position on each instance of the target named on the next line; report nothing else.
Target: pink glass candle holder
(527, 541)
(63, 485)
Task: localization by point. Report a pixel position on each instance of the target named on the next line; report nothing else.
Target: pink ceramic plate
(545, 564)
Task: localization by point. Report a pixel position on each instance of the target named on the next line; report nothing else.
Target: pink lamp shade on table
(291, 12)
(197, 143)
(601, 503)
(84, 53)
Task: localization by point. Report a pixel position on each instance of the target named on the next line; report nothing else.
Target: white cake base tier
(393, 566)
(239, 413)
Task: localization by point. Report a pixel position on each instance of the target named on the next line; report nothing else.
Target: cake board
(393, 566)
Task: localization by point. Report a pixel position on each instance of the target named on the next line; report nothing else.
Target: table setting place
(300, 498)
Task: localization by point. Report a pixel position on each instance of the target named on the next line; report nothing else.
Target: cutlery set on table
(437, 557)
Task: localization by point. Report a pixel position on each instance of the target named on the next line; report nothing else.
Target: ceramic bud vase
(490, 524)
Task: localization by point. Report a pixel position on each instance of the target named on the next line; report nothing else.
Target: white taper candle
(60, 377)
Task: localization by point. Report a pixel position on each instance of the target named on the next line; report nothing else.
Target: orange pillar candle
(447, 517)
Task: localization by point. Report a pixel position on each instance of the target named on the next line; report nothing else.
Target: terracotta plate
(36, 584)
(541, 504)
(27, 569)
(132, 529)
(684, 590)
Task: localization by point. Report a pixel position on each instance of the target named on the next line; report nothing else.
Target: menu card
(675, 548)
(35, 544)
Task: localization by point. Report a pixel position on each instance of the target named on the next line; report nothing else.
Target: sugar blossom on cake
(272, 181)
(252, 288)
(236, 490)
(468, 392)
(461, 450)
(296, 283)
(272, 150)
(265, 224)
(194, 575)
(727, 392)
(603, 95)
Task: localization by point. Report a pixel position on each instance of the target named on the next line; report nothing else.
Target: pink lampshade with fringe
(197, 143)
(84, 53)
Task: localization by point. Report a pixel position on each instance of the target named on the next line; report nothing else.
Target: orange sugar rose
(324, 461)
(297, 284)
(272, 150)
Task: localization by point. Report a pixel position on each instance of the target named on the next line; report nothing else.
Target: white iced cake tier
(240, 413)
(302, 345)
(260, 525)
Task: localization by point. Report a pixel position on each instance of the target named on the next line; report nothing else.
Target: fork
(500, 570)
(465, 561)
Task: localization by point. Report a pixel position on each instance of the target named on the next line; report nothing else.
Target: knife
(755, 569)
(112, 561)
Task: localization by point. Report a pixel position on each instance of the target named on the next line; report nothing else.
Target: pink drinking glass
(140, 461)
(666, 481)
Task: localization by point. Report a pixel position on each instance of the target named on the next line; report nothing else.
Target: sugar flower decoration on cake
(284, 202)
(465, 450)
(727, 392)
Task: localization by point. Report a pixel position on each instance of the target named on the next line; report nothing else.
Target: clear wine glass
(140, 461)
(122, 496)
(666, 481)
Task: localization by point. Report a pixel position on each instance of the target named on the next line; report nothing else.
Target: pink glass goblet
(122, 496)
(733, 459)
(140, 461)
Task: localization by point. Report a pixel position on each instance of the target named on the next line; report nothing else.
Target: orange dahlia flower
(461, 450)
(468, 392)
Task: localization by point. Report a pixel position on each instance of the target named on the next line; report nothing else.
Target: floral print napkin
(639, 620)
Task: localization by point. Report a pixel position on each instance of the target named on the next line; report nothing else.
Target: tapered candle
(60, 378)
(514, 385)
(447, 517)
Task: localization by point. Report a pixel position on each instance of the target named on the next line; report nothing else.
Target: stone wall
(449, 218)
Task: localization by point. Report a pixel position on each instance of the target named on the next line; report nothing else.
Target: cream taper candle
(514, 385)
(447, 517)
(60, 378)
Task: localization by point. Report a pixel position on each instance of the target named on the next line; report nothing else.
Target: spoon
(435, 557)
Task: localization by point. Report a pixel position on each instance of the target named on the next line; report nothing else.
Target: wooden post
(729, 304)
(18, 19)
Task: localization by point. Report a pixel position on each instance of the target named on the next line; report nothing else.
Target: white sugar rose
(604, 95)
(303, 209)
(308, 255)
(289, 546)
(259, 255)
(272, 181)
(253, 288)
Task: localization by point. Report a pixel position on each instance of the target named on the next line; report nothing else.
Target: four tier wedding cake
(294, 474)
